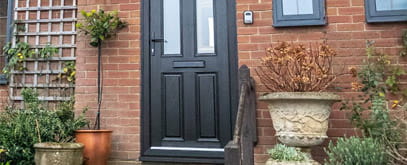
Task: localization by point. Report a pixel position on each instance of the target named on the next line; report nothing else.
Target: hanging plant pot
(300, 118)
(97, 145)
(58, 153)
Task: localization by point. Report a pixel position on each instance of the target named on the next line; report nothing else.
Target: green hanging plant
(16, 56)
(20, 52)
(48, 51)
(69, 71)
(100, 25)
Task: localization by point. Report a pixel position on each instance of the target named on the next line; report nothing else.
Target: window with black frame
(298, 13)
(4, 31)
(386, 10)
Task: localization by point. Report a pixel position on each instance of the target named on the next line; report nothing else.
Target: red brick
(351, 11)
(340, 19)
(338, 3)
(346, 32)
(351, 27)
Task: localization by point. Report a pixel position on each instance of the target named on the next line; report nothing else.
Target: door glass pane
(205, 26)
(297, 7)
(172, 30)
(386, 5)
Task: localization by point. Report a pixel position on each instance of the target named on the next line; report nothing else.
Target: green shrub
(20, 129)
(356, 151)
(280, 152)
(100, 25)
(376, 78)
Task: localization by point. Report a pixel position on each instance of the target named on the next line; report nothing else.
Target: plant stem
(97, 122)
(38, 130)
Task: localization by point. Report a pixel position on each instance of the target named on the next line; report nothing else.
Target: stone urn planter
(300, 118)
(58, 153)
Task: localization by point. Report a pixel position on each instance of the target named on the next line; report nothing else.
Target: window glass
(387, 5)
(205, 27)
(297, 7)
(3, 27)
(172, 28)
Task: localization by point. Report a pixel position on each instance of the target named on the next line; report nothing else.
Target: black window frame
(9, 33)
(374, 16)
(318, 18)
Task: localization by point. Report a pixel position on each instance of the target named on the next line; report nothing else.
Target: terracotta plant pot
(97, 145)
(58, 153)
(300, 118)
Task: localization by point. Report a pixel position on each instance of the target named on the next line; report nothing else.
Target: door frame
(145, 81)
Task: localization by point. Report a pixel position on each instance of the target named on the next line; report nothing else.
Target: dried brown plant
(292, 67)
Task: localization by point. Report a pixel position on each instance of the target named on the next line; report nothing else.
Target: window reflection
(386, 5)
(205, 26)
(172, 30)
(297, 7)
(3, 29)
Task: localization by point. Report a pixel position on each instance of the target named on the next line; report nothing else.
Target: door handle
(158, 40)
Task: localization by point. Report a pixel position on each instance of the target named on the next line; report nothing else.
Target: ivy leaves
(48, 51)
(20, 52)
(69, 71)
(16, 55)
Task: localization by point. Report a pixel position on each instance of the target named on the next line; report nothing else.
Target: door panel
(173, 105)
(207, 105)
(190, 101)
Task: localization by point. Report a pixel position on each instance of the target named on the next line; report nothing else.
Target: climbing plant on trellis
(40, 23)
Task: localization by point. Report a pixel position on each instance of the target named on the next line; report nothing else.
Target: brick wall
(121, 64)
(346, 31)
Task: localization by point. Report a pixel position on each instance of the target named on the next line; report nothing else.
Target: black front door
(189, 91)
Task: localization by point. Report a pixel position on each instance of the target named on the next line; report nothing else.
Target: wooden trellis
(41, 23)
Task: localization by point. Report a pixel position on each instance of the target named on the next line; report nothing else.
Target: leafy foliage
(3, 157)
(20, 129)
(100, 25)
(297, 68)
(69, 71)
(48, 51)
(378, 78)
(356, 151)
(20, 52)
(281, 152)
(404, 50)
(16, 56)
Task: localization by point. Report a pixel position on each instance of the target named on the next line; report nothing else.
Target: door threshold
(189, 149)
(181, 160)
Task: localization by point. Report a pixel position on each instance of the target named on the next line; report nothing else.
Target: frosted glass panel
(205, 27)
(172, 30)
(386, 5)
(297, 7)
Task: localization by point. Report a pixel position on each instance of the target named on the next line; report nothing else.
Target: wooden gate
(239, 151)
